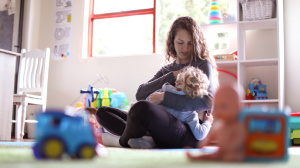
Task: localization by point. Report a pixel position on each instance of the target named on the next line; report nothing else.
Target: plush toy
(97, 128)
(228, 132)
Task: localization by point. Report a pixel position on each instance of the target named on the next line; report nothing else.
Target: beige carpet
(21, 156)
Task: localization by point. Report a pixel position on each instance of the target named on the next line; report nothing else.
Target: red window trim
(92, 17)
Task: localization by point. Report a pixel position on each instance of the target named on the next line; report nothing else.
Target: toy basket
(258, 9)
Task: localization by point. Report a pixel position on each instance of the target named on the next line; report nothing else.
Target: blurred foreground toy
(248, 134)
(97, 128)
(57, 134)
(295, 128)
(267, 137)
(227, 130)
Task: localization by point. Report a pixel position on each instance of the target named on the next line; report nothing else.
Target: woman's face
(183, 46)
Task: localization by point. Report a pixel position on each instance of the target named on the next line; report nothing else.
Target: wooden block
(225, 57)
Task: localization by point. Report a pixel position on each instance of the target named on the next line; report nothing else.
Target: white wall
(31, 24)
(292, 56)
(68, 76)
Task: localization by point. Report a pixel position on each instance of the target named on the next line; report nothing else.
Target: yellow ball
(79, 104)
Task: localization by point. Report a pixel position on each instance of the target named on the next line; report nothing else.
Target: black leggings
(145, 118)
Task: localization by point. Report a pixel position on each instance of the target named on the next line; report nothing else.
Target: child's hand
(209, 118)
(157, 97)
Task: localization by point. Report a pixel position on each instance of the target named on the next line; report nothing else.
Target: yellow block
(264, 146)
(94, 103)
(295, 134)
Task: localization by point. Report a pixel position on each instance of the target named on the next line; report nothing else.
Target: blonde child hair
(193, 82)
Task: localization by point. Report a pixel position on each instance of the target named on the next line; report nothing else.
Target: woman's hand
(175, 73)
(157, 97)
(209, 118)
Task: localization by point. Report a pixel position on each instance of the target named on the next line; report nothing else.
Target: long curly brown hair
(199, 49)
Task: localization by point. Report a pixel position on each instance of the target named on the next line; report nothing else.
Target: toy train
(57, 134)
(256, 92)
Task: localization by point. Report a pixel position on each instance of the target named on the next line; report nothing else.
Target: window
(124, 27)
(169, 10)
(121, 27)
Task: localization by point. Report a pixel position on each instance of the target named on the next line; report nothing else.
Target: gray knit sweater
(191, 118)
(175, 101)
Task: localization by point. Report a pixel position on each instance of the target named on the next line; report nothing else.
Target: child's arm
(200, 131)
(208, 117)
(170, 88)
(211, 135)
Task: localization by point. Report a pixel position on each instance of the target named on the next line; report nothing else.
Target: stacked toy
(215, 15)
(105, 97)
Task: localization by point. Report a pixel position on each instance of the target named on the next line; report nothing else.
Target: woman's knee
(142, 108)
(101, 111)
(105, 113)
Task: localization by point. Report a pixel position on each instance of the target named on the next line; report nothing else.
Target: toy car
(295, 128)
(58, 133)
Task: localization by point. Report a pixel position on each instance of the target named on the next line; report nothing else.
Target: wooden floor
(25, 139)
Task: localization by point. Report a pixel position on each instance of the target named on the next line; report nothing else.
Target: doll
(227, 130)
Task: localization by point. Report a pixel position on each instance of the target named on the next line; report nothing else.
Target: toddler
(191, 82)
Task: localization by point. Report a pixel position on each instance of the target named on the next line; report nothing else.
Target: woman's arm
(161, 77)
(185, 103)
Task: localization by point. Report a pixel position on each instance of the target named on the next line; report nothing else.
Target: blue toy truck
(58, 133)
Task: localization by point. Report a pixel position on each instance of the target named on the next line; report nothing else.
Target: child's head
(193, 82)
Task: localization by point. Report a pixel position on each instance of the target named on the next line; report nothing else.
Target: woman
(185, 46)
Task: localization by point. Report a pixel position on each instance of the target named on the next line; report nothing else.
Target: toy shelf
(219, 26)
(270, 103)
(260, 46)
(261, 101)
(258, 24)
(227, 64)
(261, 62)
